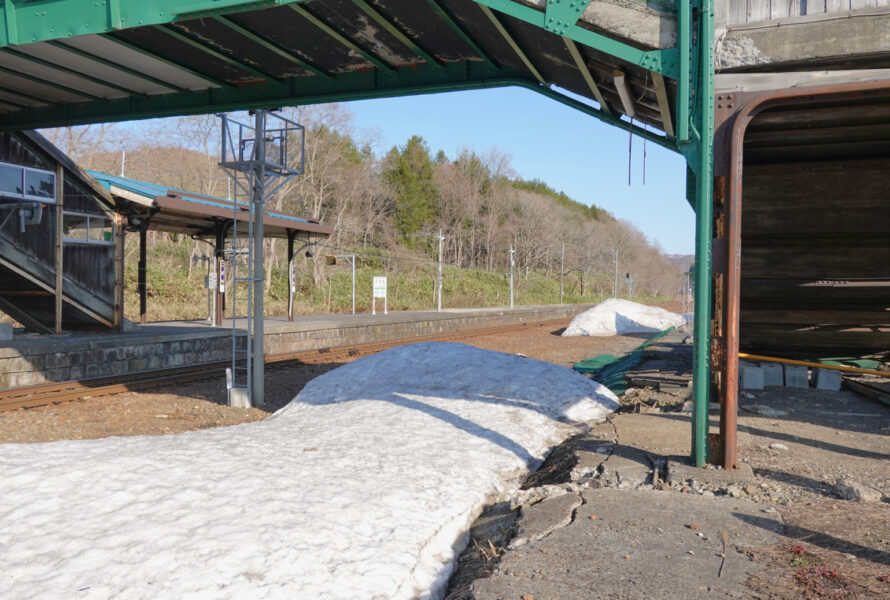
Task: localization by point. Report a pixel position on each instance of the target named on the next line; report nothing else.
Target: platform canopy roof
(66, 62)
(177, 211)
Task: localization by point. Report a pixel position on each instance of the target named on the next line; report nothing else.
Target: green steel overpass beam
(557, 18)
(26, 21)
(290, 92)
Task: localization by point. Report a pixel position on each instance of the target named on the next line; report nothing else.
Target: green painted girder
(559, 15)
(371, 83)
(307, 90)
(27, 21)
(663, 61)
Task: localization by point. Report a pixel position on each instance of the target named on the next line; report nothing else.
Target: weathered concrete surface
(627, 466)
(637, 544)
(665, 434)
(541, 519)
(640, 22)
(804, 39)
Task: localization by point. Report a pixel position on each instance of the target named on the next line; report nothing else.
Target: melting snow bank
(620, 317)
(363, 487)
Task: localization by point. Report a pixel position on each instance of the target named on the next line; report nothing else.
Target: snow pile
(620, 317)
(363, 487)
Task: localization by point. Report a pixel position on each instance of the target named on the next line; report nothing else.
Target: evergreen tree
(410, 175)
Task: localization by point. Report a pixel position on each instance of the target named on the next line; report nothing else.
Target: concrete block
(5, 332)
(796, 376)
(772, 374)
(239, 398)
(751, 376)
(827, 379)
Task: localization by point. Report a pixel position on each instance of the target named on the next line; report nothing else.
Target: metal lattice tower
(260, 159)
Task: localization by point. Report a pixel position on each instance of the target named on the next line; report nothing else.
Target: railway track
(66, 391)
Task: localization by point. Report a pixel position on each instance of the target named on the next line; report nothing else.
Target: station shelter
(62, 232)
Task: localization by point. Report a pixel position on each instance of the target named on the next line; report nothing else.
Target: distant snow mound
(464, 373)
(363, 487)
(619, 317)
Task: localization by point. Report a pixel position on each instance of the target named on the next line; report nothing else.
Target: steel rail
(67, 391)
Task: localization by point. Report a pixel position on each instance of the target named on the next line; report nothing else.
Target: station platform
(35, 359)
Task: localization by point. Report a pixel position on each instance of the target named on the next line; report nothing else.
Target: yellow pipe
(803, 363)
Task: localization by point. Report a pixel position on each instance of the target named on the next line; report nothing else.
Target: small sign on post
(379, 292)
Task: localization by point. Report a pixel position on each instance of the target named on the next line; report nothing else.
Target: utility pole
(562, 269)
(615, 285)
(259, 173)
(511, 275)
(441, 238)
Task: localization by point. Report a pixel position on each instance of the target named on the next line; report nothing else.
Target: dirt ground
(833, 548)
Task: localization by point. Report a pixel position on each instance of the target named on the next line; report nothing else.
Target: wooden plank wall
(815, 257)
(758, 11)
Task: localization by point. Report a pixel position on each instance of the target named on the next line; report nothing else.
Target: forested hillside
(388, 211)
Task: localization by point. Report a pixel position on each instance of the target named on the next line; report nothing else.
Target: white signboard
(379, 292)
(379, 287)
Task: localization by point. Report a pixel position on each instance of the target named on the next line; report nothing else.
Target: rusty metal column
(728, 156)
(141, 270)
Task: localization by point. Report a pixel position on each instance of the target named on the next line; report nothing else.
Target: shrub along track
(66, 391)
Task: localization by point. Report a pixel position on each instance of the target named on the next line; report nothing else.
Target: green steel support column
(704, 188)
(684, 44)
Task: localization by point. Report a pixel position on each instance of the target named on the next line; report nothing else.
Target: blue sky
(571, 151)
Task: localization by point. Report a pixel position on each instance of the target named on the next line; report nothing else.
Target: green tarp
(610, 370)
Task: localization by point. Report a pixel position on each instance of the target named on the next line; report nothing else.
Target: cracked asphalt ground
(615, 512)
